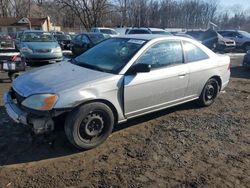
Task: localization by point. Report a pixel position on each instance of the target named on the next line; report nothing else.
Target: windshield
(111, 55)
(108, 31)
(37, 37)
(96, 38)
(245, 34)
(62, 37)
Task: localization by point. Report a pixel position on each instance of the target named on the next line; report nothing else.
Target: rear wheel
(209, 93)
(89, 125)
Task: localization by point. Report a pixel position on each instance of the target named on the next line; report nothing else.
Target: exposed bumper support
(40, 124)
(13, 110)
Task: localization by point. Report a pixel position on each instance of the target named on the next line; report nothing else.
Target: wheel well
(109, 104)
(218, 80)
(246, 44)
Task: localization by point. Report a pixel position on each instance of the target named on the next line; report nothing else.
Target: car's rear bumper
(224, 47)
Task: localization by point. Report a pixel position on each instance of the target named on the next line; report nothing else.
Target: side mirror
(139, 68)
(239, 36)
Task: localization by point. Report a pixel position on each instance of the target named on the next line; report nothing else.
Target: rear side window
(193, 53)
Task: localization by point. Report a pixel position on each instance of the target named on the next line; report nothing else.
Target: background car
(138, 31)
(84, 41)
(182, 34)
(39, 46)
(104, 30)
(242, 38)
(5, 40)
(225, 44)
(159, 31)
(222, 44)
(17, 39)
(63, 40)
(246, 60)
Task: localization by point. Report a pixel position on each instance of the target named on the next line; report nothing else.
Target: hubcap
(210, 91)
(92, 125)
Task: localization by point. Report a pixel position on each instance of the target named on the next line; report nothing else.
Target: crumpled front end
(40, 122)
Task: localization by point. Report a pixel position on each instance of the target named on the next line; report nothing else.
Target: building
(12, 24)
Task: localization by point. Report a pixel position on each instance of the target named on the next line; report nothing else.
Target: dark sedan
(85, 41)
(246, 61)
(63, 40)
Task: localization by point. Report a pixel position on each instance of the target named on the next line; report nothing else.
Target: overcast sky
(231, 2)
(243, 3)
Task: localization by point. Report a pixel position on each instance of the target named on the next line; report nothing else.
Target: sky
(232, 2)
(243, 3)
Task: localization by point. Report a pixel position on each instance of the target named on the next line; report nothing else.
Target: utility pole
(29, 9)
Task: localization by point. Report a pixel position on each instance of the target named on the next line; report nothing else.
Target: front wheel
(247, 47)
(209, 93)
(89, 125)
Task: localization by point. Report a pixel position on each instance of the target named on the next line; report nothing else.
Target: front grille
(42, 50)
(230, 42)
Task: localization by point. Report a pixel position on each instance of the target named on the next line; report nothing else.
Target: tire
(209, 93)
(13, 76)
(246, 47)
(89, 125)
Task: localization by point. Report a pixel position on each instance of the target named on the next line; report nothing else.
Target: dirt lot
(183, 146)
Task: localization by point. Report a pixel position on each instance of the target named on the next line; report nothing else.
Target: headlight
(43, 102)
(57, 49)
(26, 50)
(221, 42)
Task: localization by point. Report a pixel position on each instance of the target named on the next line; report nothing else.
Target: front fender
(107, 90)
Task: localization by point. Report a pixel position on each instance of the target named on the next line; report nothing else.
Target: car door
(199, 66)
(163, 86)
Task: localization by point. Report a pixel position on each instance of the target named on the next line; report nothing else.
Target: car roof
(35, 31)
(139, 28)
(229, 30)
(102, 28)
(90, 33)
(147, 36)
(156, 29)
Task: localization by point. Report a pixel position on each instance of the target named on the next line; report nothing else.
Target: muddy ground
(184, 146)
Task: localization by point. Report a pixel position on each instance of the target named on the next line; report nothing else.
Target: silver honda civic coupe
(118, 79)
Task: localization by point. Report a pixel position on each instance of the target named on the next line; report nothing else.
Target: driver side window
(163, 54)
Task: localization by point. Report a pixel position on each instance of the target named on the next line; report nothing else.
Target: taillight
(16, 58)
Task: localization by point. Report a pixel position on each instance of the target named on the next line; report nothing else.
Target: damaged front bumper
(39, 124)
(17, 114)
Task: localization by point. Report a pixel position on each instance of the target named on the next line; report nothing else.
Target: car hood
(224, 39)
(55, 79)
(40, 45)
